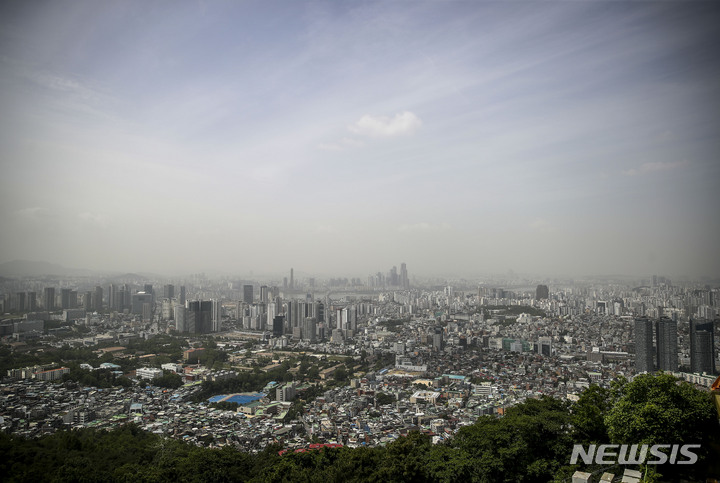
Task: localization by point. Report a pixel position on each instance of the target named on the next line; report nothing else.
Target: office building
(138, 302)
(278, 325)
(542, 292)
(309, 331)
(437, 339)
(169, 291)
(644, 345)
(248, 294)
(199, 317)
(404, 281)
(49, 298)
(97, 301)
(666, 341)
(702, 346)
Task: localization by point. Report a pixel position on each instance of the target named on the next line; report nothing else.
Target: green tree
(588, 415)
(660, 409)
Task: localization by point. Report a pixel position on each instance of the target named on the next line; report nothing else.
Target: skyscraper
(437, 338)
(65, 294)
(216, 316)
(292, 279)
(199, 316)
(644, 345)
(49, 298)
(169, 291)
(542, 292)
(309, 329)
(98, 298)
(666, 337)
(404, 281)
(278, 325)
(113, 297)
(702, 346)
(248, 294)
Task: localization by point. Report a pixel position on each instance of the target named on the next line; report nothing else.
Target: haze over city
(554, 138)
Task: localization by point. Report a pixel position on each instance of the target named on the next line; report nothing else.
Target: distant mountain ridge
(32, 268)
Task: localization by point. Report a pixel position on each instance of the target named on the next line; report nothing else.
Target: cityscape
(428, 241)
(343, 361)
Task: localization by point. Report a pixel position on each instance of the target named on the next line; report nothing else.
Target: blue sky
(552, 138)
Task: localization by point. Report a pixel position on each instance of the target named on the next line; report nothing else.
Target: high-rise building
(404, 281)
(31, 302)
(87, 300)
(292, 279)
(199, 316)
(666, 340)
(49, 298)
(216, 316)
(644, 345)
(181, 320)
(309, 330)
(138, 302)
(181, 299)
(248, 294)
(169, 291)
(65, 295)
(113, 297)
(264, 294)
(437, 339)
(545, 346)
(278, 325)
(542, 292)
(98, 298)
(18, 302)
(702, 346)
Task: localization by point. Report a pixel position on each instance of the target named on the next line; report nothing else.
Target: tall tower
(65, 296)
(248, 294)
(644, 345)
(49, 298)
(292, 280)
(437, 339)
(98, 298)
(404, 281)
(666, 337)
(702, 345)
(199, 316)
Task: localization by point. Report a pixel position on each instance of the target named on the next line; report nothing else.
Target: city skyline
(558, 139)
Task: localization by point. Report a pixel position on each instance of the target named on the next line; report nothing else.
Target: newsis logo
(623, 454)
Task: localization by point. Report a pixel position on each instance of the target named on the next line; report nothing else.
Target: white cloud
(423, 227)
(93, 219)
(657, 166)
(34, 212)
(401, 124)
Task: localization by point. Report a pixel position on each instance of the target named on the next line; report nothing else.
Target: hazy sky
(346, 137)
